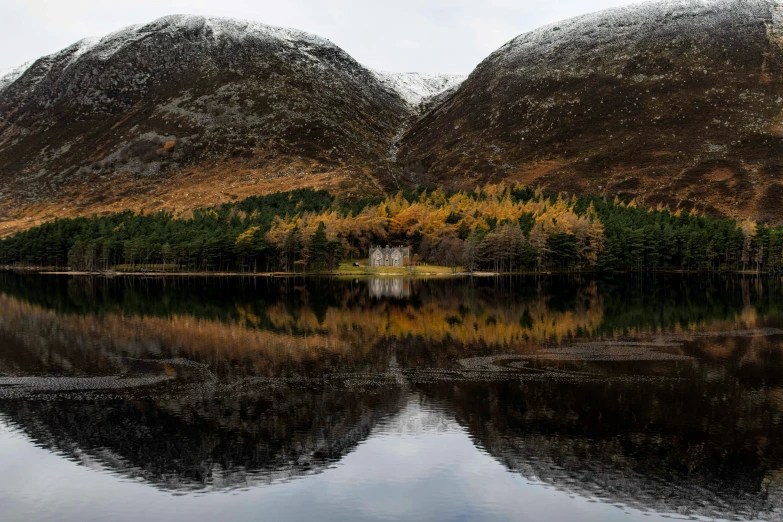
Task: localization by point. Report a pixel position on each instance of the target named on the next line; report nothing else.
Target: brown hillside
(188, 111)
(676, 103)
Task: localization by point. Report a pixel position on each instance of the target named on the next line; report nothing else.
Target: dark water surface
(279, 399)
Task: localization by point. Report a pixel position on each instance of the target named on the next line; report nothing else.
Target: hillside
(676, 103)
(187, 111)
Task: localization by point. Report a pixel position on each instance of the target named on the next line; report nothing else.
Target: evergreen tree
(319, 248)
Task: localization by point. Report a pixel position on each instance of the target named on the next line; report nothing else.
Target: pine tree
(319, 247)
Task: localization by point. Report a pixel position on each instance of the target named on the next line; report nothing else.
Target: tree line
(498, 228)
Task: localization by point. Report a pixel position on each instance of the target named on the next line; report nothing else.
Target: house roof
(389, 250)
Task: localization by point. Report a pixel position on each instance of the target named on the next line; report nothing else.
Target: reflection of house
(389, 256)
(392, 287)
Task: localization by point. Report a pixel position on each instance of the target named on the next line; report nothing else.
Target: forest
(498, 228)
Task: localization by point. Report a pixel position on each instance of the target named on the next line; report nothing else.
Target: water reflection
(662, 394)
(389, 287)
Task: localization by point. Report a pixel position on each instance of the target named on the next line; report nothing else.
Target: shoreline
(280, 275)
(406, 274)
(114, 273)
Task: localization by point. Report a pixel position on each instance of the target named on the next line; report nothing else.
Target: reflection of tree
(682, 302)
(492, 311)
(263, 340)
(114, 343)
(219, 441)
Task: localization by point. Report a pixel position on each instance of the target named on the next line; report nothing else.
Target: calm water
(268, 399)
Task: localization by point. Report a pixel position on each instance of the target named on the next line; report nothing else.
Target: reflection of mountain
(217, 441)
(667, 446)
(666, 394)
(701, 442)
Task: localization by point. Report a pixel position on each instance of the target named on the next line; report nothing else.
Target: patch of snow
(9, 76)
(213, 28)
(81, 47)
(415, 88)
(567, 43)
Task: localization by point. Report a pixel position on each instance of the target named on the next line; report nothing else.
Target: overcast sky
(448, 36)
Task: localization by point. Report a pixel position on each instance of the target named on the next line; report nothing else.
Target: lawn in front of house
(347, 268)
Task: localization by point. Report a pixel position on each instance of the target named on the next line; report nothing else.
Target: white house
(389, 256)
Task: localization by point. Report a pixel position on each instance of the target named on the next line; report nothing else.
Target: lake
(548, 398)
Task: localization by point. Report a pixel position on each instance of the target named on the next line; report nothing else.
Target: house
(389, 256)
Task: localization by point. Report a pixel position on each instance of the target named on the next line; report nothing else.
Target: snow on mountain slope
(211, 96)
(9, 76)
(415, 88)
(678, 103)
(674, 102)
(573, 44)
(214, 28)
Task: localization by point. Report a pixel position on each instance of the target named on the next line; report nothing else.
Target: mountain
(673, 103)
(187, 111)
(676, 103)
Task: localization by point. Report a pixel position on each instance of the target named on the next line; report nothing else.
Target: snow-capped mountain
(675, 102)
(191, 94)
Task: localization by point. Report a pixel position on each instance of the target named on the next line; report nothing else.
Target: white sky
(396, 35)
